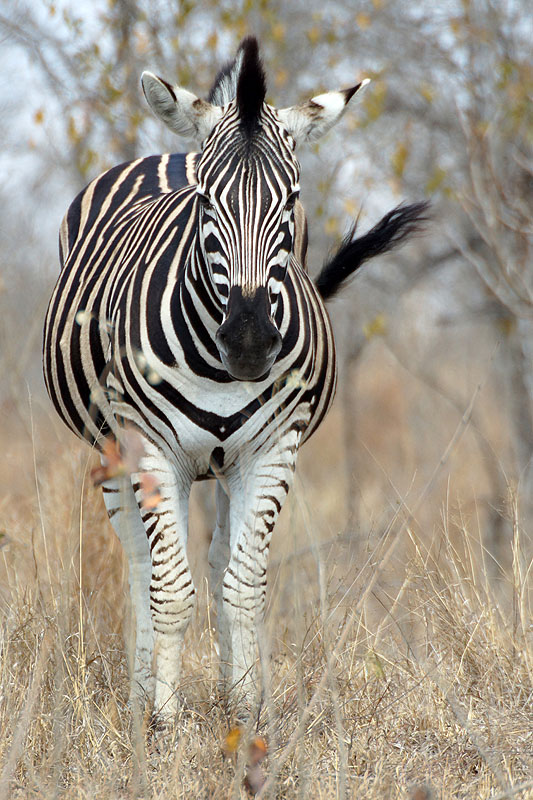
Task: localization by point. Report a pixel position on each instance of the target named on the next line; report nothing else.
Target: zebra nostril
(275, 344)
(221, 340)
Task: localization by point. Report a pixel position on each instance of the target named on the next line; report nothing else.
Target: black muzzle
(248, 341)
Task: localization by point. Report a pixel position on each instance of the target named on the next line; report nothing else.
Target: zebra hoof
(162, 732)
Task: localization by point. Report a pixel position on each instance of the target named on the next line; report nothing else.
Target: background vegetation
(399, 641)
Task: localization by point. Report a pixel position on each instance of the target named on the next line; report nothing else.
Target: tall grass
(396, 665)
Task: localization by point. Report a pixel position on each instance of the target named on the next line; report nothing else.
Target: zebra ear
(311, 120)
(182, 111)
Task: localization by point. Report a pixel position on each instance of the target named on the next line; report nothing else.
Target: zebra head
(248, 182)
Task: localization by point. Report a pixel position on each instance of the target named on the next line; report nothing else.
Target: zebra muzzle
(248, 341)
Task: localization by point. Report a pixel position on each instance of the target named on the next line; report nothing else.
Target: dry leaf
(112, 464)
(119, 459)
(151, 496)
(231, 742)
(254, 777)
(422, 792)
(258, 750)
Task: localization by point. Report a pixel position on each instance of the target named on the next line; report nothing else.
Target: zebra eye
(205, 202)
(272, 296)
(292, 198)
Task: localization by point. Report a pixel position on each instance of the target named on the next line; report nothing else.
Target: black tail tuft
(395, 227)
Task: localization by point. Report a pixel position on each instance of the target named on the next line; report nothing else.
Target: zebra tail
(393, 229)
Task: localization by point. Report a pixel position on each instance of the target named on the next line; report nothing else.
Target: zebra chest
(213, 427)
(217, 412)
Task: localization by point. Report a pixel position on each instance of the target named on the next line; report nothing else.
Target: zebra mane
(224, 88)
(243, 78)
(251, 86)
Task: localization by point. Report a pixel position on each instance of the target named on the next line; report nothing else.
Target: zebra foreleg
(171, 589)
(219, 553)
(124, 515)
(257, 493)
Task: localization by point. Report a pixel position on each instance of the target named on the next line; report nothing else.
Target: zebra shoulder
(149, 176)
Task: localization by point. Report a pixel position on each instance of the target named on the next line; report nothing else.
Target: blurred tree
(451, 111)
(469, 136)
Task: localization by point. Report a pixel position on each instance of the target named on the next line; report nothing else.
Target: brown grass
(397, 663)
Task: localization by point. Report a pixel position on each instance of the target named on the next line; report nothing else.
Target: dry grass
(400, 663)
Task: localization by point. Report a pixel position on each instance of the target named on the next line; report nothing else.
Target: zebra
(185, 329)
